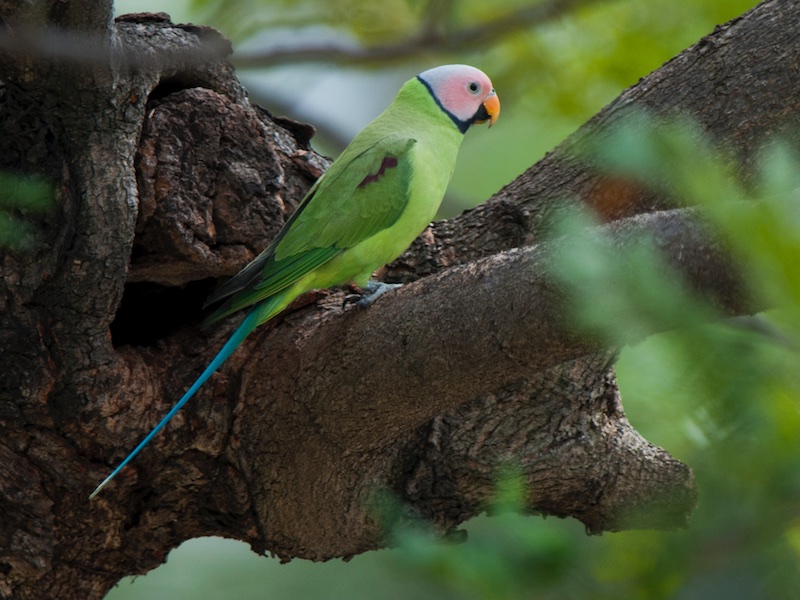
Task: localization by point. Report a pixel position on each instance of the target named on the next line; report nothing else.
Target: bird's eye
(473, 87)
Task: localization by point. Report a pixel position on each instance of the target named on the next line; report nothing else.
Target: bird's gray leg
(374, 290)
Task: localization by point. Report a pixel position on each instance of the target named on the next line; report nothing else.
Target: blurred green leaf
(20, 197)
(725, 397)
(501, 558)
(620, 298)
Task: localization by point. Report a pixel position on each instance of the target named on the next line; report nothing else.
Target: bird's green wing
(355, 199)
(366, 195)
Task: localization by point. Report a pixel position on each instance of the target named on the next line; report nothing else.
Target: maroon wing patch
(388, 162)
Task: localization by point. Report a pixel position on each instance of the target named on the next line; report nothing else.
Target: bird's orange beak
(492, 107)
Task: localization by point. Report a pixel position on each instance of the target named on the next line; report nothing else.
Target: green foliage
(724, 397)
(607, 46)
(368, 22)
(498, 560)
(620, 304)
(760, 217)
(564, 66)
(21, 197)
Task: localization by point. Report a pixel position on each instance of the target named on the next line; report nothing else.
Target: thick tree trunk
(167, 179)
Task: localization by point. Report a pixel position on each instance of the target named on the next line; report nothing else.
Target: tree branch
(365, 382)
(433, 37)
(421, 339)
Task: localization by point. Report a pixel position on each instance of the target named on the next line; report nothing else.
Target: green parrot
(367, 208)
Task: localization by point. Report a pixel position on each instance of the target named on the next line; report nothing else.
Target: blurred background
(723, 398)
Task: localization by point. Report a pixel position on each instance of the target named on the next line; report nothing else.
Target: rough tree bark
(167, 179)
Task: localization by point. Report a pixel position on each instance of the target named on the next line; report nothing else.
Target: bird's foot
(374, 290)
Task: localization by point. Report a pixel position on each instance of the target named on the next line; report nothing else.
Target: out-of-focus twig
(431, 38)
(29, 43)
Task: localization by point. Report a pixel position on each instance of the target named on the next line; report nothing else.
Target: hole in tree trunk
(150, 312)
(170, 85)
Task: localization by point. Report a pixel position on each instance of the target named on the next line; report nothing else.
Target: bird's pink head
(465, 93)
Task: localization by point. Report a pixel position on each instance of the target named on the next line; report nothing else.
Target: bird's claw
(371, 292)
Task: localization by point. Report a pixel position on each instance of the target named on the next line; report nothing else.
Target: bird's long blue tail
(250, 322)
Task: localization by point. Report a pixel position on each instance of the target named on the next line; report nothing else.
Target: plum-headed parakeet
(367, 208)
